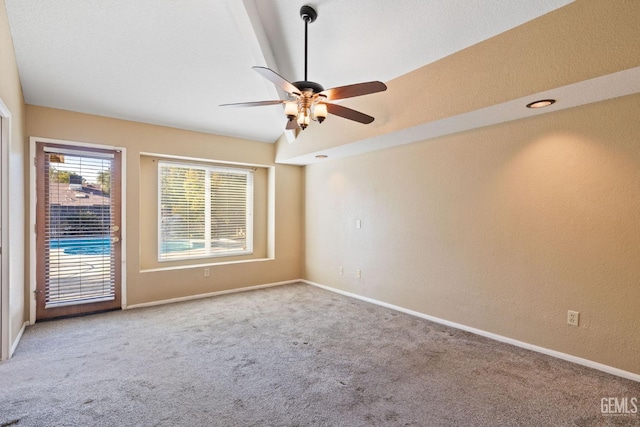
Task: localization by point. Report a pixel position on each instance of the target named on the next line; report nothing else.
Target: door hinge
(35, 161)
(35, 228)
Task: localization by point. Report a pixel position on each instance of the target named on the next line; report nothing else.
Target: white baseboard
(14, 346)
(568, 357)
(209, 294)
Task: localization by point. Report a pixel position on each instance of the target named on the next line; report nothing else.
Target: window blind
(204, 211)
(79, 267)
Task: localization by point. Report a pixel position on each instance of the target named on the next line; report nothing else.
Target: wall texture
(11, 95)
(503, 229)
(145, 285)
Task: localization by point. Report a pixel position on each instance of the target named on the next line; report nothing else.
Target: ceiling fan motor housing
(307, 85)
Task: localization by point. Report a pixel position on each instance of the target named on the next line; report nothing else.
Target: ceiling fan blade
(348, 113)
(357, 89)
(277, 79)
(291, 124)
(253, 104)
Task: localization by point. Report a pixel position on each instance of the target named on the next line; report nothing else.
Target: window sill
(208, 264)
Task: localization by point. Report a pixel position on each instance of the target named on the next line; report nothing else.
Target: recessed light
(541, 103)
(321, 156)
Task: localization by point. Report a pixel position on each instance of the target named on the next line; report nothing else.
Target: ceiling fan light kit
(308, 100)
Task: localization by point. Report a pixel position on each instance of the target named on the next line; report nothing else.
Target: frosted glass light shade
(291, 109)
(303, 120)
(320, 111)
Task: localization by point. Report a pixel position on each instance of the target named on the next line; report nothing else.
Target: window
(204, 211)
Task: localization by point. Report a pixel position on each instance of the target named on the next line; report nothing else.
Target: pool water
(102, 245)
(180, 245)
(83, 246)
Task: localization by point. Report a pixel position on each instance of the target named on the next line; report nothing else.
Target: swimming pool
(102, 245)
(180, 245)
(83, 245)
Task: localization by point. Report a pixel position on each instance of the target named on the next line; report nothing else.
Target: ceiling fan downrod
(308, 15)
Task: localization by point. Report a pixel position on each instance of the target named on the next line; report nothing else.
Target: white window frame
(208, 252)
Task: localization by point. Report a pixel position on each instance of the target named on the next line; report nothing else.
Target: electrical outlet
(206, 272)
(340, 270)
(573, 318)
(358, 274)
(358, 223)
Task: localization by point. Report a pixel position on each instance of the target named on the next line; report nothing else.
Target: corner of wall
(15, 175)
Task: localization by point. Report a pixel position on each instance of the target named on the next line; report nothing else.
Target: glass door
(78, 230)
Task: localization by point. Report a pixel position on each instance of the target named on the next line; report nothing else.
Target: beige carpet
(293, 355)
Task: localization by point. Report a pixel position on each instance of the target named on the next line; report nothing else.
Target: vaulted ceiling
(172, 63)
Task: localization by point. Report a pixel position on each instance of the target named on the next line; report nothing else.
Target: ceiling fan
(308, 100)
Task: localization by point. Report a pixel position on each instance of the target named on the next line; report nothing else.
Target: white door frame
(5, 319)
(32, 216)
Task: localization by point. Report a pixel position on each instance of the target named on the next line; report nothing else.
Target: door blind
(79, 266)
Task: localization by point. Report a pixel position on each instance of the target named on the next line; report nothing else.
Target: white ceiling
(172, 63)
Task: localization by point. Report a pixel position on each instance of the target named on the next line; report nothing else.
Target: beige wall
(145, 285)
(11, 95)
(503, 229)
